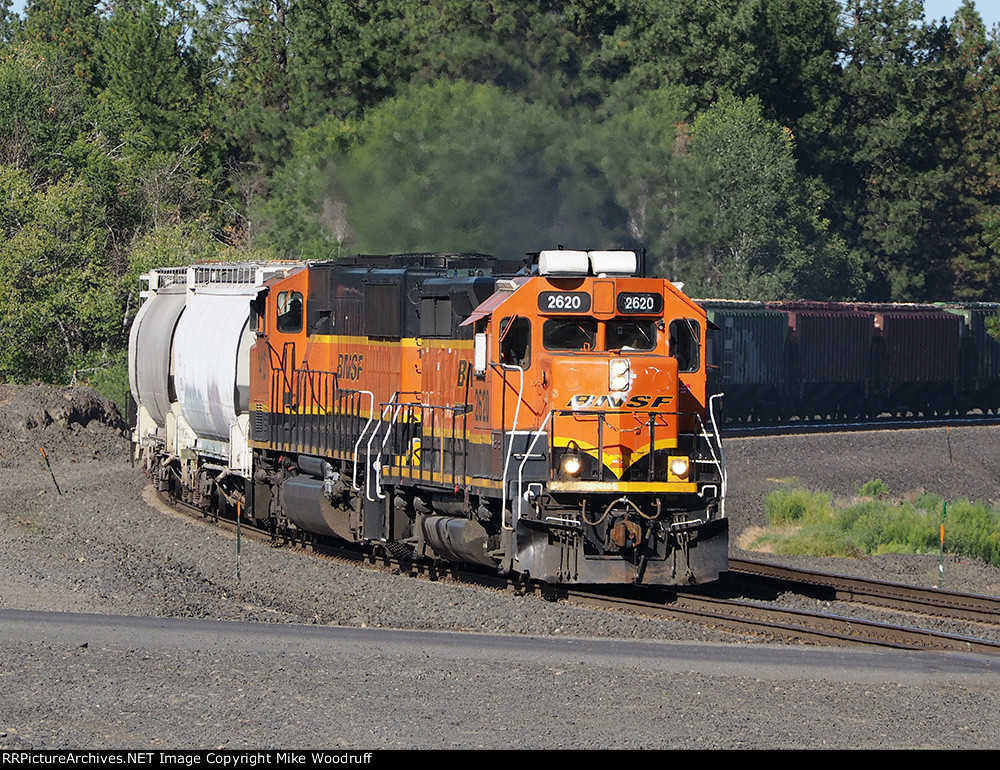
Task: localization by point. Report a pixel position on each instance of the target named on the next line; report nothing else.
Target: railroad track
(895, 596)
(736, 615)
(791, 625)
(740, 430)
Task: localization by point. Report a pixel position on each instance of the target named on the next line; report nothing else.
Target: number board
(640, 302)
(564, 302)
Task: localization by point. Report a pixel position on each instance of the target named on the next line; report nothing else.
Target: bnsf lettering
(583, 400)
(463, 373)
(349, 366)
(481, 406)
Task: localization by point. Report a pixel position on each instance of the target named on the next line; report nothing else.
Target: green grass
(808, 523)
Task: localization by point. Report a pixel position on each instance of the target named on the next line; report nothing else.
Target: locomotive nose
(610, 414)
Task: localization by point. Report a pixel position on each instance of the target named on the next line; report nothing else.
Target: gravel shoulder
(98, 546)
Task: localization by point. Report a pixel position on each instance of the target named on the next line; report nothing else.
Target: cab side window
(685, 334)
(515, 342)
(289, 312)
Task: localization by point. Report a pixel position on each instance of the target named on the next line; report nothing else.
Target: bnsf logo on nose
(619, 402)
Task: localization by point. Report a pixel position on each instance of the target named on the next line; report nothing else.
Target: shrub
(809, 524)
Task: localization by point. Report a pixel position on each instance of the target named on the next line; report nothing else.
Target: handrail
(720, 460)
(520, 469)
(354, 457)
(368, 449)
(378, 458)
(510, 447)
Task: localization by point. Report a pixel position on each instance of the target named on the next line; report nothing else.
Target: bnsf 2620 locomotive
(547, 417)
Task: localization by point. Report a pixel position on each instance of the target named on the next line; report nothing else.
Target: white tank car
(189, 369)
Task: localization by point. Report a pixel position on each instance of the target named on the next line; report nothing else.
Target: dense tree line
(756, 148)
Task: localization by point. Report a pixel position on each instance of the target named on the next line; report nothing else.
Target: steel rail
(790, 625)
(896, 596)
(737, 616)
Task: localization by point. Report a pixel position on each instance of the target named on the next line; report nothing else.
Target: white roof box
(613, 262)
(562, 262)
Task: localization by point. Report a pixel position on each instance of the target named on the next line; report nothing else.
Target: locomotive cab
(613, 470)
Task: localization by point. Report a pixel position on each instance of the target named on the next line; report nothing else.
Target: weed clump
(803, 522)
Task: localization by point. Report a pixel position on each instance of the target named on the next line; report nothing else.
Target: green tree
(68, 31)
(971, 60)
(148, 62)
(9, 23)
(719, 201)
(760, 234)
(705, 46)
(797, 77)
(456, 166)
(895, 150)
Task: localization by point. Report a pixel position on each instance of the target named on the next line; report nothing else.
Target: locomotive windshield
(569, 334)
(630, 334)
(625, 334)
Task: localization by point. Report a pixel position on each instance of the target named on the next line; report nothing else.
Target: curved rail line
(734, 615)
(792, 625)
(896, 596)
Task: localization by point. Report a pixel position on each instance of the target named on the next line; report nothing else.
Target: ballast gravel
(81, 535)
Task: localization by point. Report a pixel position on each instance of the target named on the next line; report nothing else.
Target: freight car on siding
(806, 360)
(547, 418)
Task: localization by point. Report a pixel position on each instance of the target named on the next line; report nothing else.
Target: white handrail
(371, 417)
(378, 458)
(720, 459)
(368, 448)
(510, 447)
(520, 469)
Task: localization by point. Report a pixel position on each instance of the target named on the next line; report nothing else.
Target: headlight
(618, 374)
(571, 465)
(679, 467)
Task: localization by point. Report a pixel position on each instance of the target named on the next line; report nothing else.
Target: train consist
(808, 360)
(547, 418)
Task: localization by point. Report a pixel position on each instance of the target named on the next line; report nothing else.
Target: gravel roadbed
(81, 535)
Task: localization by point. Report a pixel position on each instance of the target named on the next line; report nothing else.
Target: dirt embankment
(76, 423)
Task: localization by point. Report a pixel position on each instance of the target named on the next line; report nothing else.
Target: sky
(937, 9)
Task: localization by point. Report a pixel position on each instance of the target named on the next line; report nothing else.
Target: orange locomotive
(547, 418)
